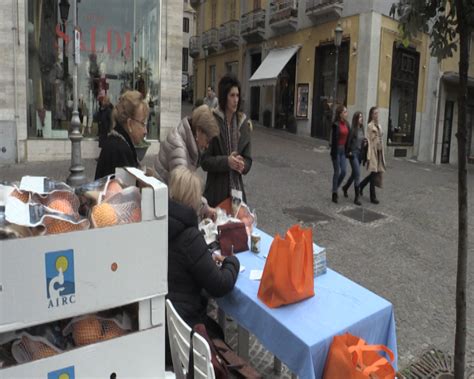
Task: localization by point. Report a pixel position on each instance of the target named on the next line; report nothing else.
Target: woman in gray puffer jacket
(184, 143)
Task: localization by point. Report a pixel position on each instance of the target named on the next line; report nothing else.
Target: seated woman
(191, 267)
(128, 129)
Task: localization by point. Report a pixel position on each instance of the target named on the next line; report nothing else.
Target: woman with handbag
(375, 155)
(339, 139)
(228, 156)
(191, 267)
(354, 149)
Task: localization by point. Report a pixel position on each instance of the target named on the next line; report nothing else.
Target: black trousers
(369, 179)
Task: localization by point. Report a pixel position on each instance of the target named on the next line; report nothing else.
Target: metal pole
(77, 176)
(205, 73)
(335, 84)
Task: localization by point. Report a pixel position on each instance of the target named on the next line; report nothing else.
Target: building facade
(124, 44)
(284, 54)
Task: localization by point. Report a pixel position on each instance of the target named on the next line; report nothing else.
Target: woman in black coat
(228, 156)
(129, 116)
(103, 118)
(191, 266)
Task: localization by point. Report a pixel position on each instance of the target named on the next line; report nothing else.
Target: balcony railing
(252, 26)
(210, 40)
(324, 10)
(194, 46)
(284, 14)
(229, 35)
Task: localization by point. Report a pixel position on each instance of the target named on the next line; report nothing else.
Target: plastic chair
(179, 335)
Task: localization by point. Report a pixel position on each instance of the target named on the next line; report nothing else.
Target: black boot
(334, 197)
(356, 198)
(373, 197)
(345, 187)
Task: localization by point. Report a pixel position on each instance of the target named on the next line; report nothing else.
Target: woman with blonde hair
(375, 154)
(129, 119)
(191, 267)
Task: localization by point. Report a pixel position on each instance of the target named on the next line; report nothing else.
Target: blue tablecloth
(300, 334)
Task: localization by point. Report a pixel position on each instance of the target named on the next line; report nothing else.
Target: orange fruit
(113, 188)
(37, 349)
(55, 226)
(86, 331)
(61, 205)
(23, 196)
(111, 330)
(104, 215)
(136, 215)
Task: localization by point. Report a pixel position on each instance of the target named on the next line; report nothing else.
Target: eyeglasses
(142, 123)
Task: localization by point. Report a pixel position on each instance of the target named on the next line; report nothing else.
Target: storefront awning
(270, 68)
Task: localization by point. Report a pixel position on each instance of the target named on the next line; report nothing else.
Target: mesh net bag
(24, 196)
(90, 329)
(29, 348)
(123, 207)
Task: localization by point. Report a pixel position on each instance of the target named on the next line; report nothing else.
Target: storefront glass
(119, 50)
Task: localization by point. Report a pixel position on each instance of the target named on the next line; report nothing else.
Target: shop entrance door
(448, 125)
(324, 87)
(255, 61)
(470, 134)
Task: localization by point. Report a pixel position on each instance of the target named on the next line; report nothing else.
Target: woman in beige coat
(375, 154)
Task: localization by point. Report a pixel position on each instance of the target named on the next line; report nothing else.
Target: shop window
(213, 13)
(212, 76)
(403, 95)
(119, 50)
(257, 4)
(233, 10)
(185, 25)
(232, 67)
(185, 58)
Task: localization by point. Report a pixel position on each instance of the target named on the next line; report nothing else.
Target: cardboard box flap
(129, 175)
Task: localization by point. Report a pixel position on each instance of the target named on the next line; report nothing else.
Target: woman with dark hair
(375, 155)
(339, 139)
(354, 149)
(228, 156)
(129, 120)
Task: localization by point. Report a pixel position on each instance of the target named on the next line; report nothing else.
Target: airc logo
(64, 373)
(60, 281)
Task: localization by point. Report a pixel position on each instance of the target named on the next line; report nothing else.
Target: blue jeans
(339, 164)
(355, 176)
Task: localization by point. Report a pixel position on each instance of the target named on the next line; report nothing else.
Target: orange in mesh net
(111, 329)
(87, 331)
(62, 206)
(104, 215)
(113, 188)
(23, 196)
(56, 226)
(136, 215)
(36, 349)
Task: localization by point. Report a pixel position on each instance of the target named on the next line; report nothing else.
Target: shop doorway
(255, 61)
(285, 94)
(325, 59)
(470, 134)
(447, 131)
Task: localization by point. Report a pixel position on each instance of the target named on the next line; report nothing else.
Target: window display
(119, 50)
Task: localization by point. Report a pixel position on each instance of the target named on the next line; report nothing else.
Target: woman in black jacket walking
(354, 149)
(228, 156)
(339, 138)
(129, 119)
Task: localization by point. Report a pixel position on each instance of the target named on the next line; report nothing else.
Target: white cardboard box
(107, 267)
(136, 355)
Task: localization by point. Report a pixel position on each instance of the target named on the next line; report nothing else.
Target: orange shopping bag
(288, 273)
(351, 358)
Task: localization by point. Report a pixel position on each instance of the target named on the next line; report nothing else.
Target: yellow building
(284, 54)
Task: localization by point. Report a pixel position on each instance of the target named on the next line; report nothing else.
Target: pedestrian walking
(129, 119)
(228, 156)
(211, 99)
(339, 139)
(354, 150)
(103, 117)
(375, 155)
